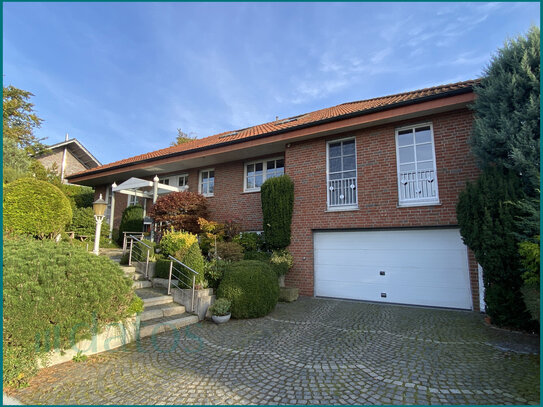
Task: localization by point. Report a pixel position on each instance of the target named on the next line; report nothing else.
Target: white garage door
(422, 267)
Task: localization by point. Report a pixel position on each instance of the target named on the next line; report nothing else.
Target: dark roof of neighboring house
(78, 151)
(338, 112)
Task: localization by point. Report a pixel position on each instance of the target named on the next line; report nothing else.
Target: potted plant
(220, 311)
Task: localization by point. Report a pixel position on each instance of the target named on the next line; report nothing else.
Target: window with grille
(417, 178)
(341, 174)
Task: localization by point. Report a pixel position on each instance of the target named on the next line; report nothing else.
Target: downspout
(63, 164)
(111, 215)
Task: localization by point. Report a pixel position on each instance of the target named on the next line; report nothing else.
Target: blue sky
(122, 77)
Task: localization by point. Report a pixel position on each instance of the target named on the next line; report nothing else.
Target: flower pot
(220, 319)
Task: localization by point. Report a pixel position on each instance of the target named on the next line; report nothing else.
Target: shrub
(250, 241)
(162, 268)
(124, 259)
(139, 250)
(176, 244)
(231, 229)
(181, 210)
(36, 208)
(260, 256)
(131, 221)
(83, 222)
(252, 288)
(277, 196)
(229, 251)
(79, 196)
(220, 308)
(281, 261)
(193, 258)
(486, 215)
(214, 271)
(55, 295)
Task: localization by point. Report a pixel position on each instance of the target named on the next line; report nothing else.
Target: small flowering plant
(221, 307)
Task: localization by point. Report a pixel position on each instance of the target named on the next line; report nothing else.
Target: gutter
(455, 92)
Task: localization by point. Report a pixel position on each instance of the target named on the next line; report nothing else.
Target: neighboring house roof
(78, 151)
(339, 112)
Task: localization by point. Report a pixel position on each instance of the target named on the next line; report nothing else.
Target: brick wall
(73, 166)
(377, 188)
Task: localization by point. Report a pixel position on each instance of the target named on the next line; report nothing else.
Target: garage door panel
(423, 267)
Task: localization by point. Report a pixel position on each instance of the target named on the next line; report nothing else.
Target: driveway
(312, 351)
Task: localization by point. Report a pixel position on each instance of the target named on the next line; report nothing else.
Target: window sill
(412, 204)
(251, 191)
(345, 209)
(208, 196)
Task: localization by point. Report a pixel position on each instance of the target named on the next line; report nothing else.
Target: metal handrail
(125, 239)
(132, 238)
(194, 274)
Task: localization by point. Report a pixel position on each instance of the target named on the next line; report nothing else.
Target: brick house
(67, 158)
(376, 185)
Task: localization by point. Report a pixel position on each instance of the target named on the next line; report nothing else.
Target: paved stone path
(313, 351)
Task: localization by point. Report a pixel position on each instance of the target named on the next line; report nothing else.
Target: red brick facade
(305, 163)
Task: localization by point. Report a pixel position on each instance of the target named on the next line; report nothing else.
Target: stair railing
(139, 254)
(127, 236)
(181, 277)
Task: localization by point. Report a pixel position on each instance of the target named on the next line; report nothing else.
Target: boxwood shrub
(56, 294)
(252, 288)
(131, 221)
(35, 208)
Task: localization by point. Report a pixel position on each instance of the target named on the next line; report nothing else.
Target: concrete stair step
(159, 325)
(141, 284)
(135, 276)
(129, 269)
(161, 311)
(163, 299)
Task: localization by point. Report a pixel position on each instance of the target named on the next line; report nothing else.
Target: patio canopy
(145, 189)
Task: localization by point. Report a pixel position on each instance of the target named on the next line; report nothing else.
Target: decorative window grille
(417, 180)
(341, 174)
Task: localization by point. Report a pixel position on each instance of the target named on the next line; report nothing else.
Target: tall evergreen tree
(506, 128)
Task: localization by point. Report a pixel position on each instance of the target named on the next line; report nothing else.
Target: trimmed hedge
(277, 196)
(35, 208)
(79, 196)
(193, 258)
(131, 221)
(229, 251)
(252, 288)
(56, 294)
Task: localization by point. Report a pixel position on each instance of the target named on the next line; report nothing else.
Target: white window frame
(416, 201)
(131, 199)
(346, 207)
(200, 181)
(264, 170)
(173, 180)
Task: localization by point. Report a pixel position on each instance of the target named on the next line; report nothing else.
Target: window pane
(405, 138)
(204, 175)
(335, 176)
(280, 163)
(348, 147)
(166, 181)
(211, 174)
(407, 154)
(407, 167)
(270, 165)
(349, 174)
(334, 149)
(258, 167)
(422, 135)
(211, 186)
(425, 165)
(280, 171)
(258, 181)
(335, 164)
(182, 181)
(424, 152)
(250, 182)
(250, 169)
(349, 163)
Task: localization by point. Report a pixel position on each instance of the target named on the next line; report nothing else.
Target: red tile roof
(282, 125)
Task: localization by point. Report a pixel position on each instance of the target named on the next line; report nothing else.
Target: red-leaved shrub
(180, 210)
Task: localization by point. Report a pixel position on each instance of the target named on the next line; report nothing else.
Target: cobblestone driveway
(313, 351)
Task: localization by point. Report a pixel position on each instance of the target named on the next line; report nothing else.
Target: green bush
(131, 221)
(83, 222)
(220, 308)
(55, 294)
(35, 208)
(229, 251)
(250, 241)
(193, 258)
(252, 288)
(277, 196)
(281, 261)
(79, 196)
(176, 244)
(486, 214)
(260, 256)
(214, 271)
(124, 259)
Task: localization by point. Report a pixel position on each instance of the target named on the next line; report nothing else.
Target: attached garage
(407, 266)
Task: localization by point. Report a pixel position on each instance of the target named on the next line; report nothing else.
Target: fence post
(147, 265)
(130, 254)
(170, 278)
(124, 242)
